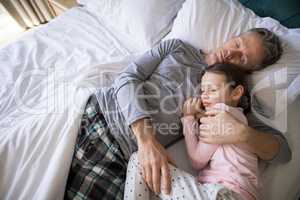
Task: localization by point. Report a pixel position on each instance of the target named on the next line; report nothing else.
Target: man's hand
(154, 160)
(192, 106)
(220, 127)
(153, 157)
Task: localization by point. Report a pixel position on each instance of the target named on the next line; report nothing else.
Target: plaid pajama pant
(98, 169)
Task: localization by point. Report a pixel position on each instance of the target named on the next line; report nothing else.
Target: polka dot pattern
(184, 186)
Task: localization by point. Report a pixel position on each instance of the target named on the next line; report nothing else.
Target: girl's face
(215, 89)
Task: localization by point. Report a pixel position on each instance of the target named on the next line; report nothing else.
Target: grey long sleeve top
(155, 86)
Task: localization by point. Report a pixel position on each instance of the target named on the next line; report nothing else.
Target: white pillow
(208, 24)
(276, 86)
(294, 90)
(144, 22)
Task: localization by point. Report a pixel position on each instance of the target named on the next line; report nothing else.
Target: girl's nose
(204, 95)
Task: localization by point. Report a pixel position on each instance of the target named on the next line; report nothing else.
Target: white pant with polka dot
(184, 186)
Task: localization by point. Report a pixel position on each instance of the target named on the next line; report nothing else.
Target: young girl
(225, 171)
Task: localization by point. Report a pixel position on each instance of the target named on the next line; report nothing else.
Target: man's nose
(232, 53)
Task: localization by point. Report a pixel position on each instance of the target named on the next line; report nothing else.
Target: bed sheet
(46, 78)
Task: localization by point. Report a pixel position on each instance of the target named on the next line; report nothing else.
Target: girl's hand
(192, 106)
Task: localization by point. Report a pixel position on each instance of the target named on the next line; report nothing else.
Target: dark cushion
(287, 12)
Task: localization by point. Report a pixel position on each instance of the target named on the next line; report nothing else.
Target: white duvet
(46, 78)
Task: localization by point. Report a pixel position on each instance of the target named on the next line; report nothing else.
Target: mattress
(46, 78)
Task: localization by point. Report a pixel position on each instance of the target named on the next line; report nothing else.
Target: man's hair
(271, 43)
(234, 76)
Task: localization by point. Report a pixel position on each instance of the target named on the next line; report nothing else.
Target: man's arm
(129, 91)
(128, 86)
(153, 157)
(266, 142)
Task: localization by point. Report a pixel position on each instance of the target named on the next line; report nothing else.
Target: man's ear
(237, 92)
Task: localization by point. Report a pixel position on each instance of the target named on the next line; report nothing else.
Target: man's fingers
(148, 176)
(204, 134)
(204, 129)
(166, 178)
(206, 140)
(156, 179)
(213, 112)
(143, 173)
(211, 140)
(205, 120)
(171, 160)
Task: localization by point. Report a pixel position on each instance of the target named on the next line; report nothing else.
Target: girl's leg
(135, 187)
(184, 185)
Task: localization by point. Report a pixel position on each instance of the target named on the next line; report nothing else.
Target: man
(141, 110)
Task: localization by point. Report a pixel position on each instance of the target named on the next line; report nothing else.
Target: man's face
(246, 51)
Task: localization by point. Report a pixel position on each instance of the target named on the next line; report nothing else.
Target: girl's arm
(199, 152)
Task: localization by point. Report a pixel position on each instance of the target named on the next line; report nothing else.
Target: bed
(48, 74)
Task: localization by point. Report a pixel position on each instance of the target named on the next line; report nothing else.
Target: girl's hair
(234, 77)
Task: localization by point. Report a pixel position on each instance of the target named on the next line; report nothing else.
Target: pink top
(230, 165)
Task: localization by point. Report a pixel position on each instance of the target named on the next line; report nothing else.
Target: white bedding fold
(46, 78)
